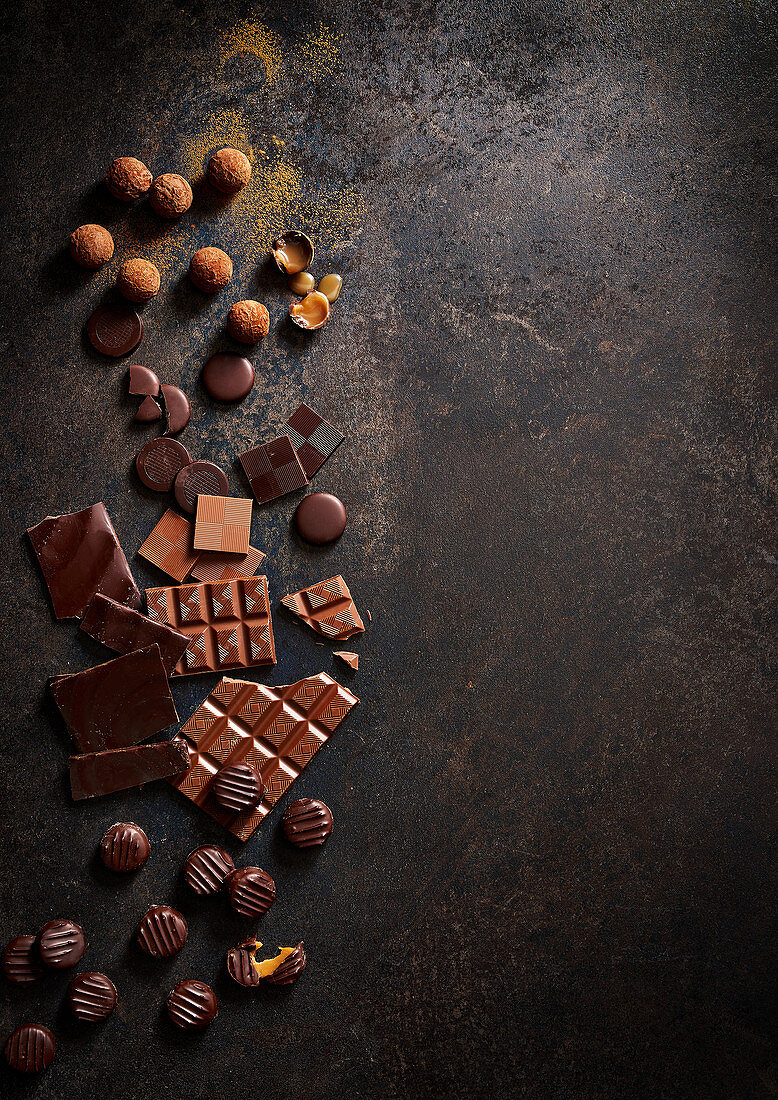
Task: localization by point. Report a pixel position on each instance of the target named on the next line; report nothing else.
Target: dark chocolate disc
(192, 1005)
(162, 932)
(206, 869)
(240, 967)
(252, 891)
(61, 943)
(177, 407)
(228, 377)
(30, 1049)
(142, 381)
(21, 963)
(320, 518)
(159, 461)
(238, 787)
(290, 969)
(114, 330)
(200, 477)
(307, 822)
(125, 847)
(91, 997)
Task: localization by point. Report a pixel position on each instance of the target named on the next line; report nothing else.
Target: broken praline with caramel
(281, 969)
(312, 312)
(292, 251)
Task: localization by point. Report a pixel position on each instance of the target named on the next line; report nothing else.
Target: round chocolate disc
(206, 869)
(30, 1049)
(162, 932)
(200, 477)
(20, 963)
(307, 823)
(252, 891)
(114, 330)
(238, 787)
(192, 1005)
(290, 969)
(228, 377)
(125, 847)
(91, 997)
(61, 943)
(320, 518)
(240, 967)
(159, 461)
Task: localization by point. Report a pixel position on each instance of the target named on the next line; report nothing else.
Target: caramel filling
(312, 311)
(269, 966)
(330, 286)
(293, 255)
(302, 283)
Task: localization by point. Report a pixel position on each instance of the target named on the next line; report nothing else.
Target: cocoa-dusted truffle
(128, 178)
(210, 269)
(170, 195)
(138, 280)
(229, 170)
(91, 246)
(248, 322)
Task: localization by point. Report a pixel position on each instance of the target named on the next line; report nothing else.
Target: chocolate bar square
(313, 437)
(273, 469)
(222, 524)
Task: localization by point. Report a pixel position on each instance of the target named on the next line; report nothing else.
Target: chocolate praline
(192, 1005)
(320, 518)
(20, 962)
(206, 869)
(61, 943)
(238, 787)
(125, 847)
(162, 932)
(91, 996)
(30, 1049)
(252, 891)
(228, 377)
(307, 823)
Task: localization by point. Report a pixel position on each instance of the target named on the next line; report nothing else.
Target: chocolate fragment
(273, 469)
(199, 477)
(125, 631)
(222, 524)
(162, 932)
(238, 787)
(327, 607)
(240, 965)
(91, 997)
(207, 868)
(351, 659)
(252, 891)
(192, 1005)
(307, 823)
(212, 568)
(99, 773)
(159, 461)
(79, 555)
(148, 411)
(312, 312)
(320, 518)
(20, 962)
(143, 381)
(177, 407)
(61, 943)
(228, 377)
(313, 437)
(290, 969)
(30, 1049)
(169, 546)
(121, 702)
(114, 330)
(125, 847)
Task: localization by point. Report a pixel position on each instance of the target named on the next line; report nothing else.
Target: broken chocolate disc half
(292, 251)
(281, 969)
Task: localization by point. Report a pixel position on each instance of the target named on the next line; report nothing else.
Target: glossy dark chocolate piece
(98, 773)
(320, 518)
(115, 330)
(192, 1005)
(162, 932)
(307, 823)
(196, 478)
(30, 1049)
(91, 997)
(240, 966)
(228, 377)
(313, 437)
(177, 407)
(273, 469)
(159, 461)
(125, 847)
(238, 787)
(125, 630)
(118, 703)
(61, 943)
(290, 969)
(252, 891)
(79, 555)
(142, 381)
(20, 962)
(206, 869)
(148, 411)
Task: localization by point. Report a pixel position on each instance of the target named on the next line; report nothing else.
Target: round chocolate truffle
(61, 943)
(290, 969)
(159, 461)
(91, 997)
(128, 178)
(210, 269)
(228, 377)
(125, 847)
(170, 195)
(307, 823)
(200, 477)
(238, 787)
(240, 966)
(162, 932)
(91, 246)
(192, 1005)
(252, 891)
(206, 869)
(320, 518)
(20, 963)
(30, 1049)
(138, 280)
(114, 330)
(248, 321)
(229, 170)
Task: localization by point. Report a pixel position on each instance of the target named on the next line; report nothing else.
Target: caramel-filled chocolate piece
(290, 968)
(91, 997)
(327, 607)
(281, 969)
(238, 787)
(307, 823)
(192, 1005)
(124, 630)
(240, 965)
(162, 932)
(223, 524)
(20, 962)
(99, 773)
(252, 891)
(313, 437)
(312, 312)
(206, 869)
(125, 847)
(292, 251)
(169, 546)
(30, 1049)
(61, 943)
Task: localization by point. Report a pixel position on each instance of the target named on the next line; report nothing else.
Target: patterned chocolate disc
(125, 847)
(206, 869)
(238, 787)
(159, 461)
(20, 963)
(192, 1005)
(162, 932)
(115, 331)
(30, 1049)
(307, 822)
(290, 969)
(91, 997)
(200, 477)
(61, 943)
(240, 967)
(252, 891)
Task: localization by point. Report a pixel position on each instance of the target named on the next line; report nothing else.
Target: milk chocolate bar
(327, 607)
(124, 630)
(97, 773)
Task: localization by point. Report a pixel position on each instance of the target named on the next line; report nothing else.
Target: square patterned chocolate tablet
(223, 524)
(275, 729)
(169, 546)
(313, 437)
(273, 469)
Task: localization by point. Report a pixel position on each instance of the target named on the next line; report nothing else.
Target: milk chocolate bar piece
(223, 524)
(212, 567)
(124, 630)
(79, 555)
(119, 703)
(97, 773)
(313, 437)
(327, 607)
(169, 546)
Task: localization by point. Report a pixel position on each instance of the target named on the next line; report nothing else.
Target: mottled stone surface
(553, 872)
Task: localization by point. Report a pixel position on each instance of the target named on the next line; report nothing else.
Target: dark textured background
(553, 871)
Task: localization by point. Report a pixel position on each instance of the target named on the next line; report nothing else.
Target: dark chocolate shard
(148, 411)
(99, 773)
(124, 630)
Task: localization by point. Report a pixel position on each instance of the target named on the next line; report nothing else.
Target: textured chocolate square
(169, 546)
(273, 469)
(124, 630)
(276, 729)
(327, 607)
(313, 437)
(212, 567)
(223, 524)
